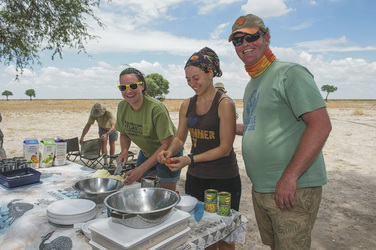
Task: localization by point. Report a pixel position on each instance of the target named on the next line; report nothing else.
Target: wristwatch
(191, 156)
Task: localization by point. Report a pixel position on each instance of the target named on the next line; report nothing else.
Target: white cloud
(266, 8)
(221, 29)
(207, 6)
(332, 44)
(303, 25)
(143, 11)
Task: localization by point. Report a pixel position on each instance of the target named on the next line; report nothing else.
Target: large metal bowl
(141, 207)
(96, 189)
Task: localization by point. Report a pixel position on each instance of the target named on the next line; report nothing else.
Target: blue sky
(334, 39)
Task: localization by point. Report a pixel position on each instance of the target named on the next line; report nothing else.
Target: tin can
(224, 203)
(211, 200)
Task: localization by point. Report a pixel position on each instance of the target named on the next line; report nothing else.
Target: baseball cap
(249, 24)
(98, 110)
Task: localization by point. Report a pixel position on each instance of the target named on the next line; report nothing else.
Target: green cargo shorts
(287, 229)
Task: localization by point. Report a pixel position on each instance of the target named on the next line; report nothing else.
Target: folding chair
(91, 154)
(73, 148)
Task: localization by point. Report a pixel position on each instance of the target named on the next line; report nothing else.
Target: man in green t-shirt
(285, 126)
(106, 127)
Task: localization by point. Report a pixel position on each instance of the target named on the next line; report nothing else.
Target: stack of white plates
(71, 211)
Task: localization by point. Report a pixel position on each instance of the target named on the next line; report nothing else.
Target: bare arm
(125, 143)
(137, 173)
(84, 132)
(112, 129)
(311, 144)
(239, 129)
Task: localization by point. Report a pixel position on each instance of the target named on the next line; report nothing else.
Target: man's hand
(285, 192)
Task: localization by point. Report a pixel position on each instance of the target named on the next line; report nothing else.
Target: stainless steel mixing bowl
(96, 189)
(141, 207)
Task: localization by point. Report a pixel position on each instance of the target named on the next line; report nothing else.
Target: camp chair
(73, 148)
(91, 154)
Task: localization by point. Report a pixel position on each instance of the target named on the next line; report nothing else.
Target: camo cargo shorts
(287, 229)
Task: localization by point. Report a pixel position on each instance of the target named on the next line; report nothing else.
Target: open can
(224, 203)
(211, 200)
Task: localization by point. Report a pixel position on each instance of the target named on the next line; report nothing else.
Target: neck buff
(258, 68)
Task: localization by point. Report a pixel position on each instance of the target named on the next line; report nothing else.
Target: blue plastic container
(19, 177)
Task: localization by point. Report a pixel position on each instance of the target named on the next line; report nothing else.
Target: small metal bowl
(97, 189)
(141, 207)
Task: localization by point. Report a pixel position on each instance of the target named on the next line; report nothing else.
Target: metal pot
(141, 207)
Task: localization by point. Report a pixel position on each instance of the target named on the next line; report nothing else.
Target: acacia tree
(7, 93)
(30, 93)
(30, 26)
(328, 89)
(157, 85)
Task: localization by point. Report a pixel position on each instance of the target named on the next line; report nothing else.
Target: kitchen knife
(118, 168)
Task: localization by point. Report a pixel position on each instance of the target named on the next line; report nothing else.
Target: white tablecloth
(24, 223)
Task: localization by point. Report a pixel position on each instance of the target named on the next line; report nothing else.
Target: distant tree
(30, 93)
(28, 27)
(157, 85)
(328, 89)
(7, 93)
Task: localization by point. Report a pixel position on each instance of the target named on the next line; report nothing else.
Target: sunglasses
(237, 41)
(132, 86)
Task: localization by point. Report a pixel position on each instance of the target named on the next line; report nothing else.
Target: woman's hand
(162, 156)
(122, 158)
(133, 175)
(178, 163)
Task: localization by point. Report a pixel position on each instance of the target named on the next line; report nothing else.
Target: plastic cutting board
(114, 235)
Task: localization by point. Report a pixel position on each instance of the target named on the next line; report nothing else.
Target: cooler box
(60, 152)
(31, 151)
(47, 150)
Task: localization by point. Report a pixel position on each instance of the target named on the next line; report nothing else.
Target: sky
(334, 39)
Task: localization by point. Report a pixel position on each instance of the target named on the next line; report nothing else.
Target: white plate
(71, 207)
(85, 227)
(69, 217)
(70, 221)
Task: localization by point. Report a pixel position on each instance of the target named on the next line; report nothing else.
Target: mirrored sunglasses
(132, 86)
(237, 41)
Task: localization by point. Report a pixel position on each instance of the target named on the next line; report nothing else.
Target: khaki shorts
(287, 229)
(112, 137)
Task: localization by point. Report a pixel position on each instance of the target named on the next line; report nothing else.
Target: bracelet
(191, 156)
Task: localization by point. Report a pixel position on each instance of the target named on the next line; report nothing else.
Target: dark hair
(139, 75)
